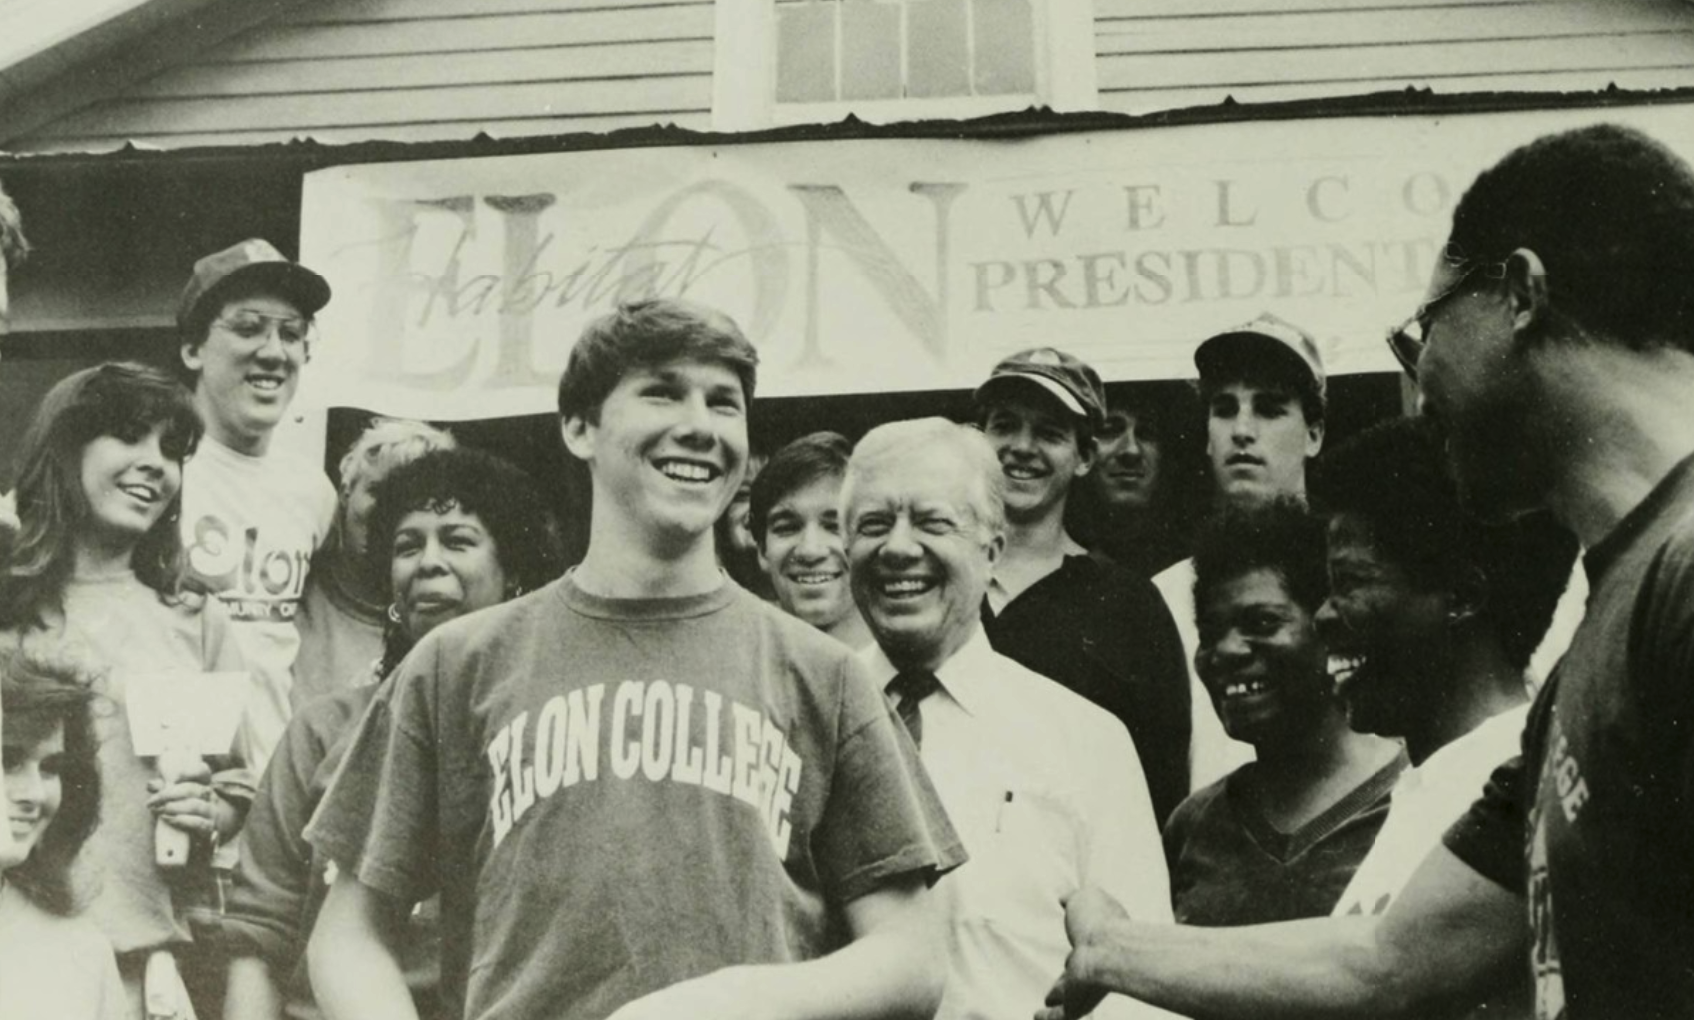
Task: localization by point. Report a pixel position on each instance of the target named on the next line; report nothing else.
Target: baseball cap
(253, 260)
(1267, 335)
(1067, 378)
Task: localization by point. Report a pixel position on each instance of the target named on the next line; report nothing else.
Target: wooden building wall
(411, 70)
(1167, 54)
(414, 70)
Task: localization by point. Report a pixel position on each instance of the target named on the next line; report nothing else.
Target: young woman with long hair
(95, 568)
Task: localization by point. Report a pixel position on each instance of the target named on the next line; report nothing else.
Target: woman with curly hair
(57, 964)
(455, 531)
(95, 568)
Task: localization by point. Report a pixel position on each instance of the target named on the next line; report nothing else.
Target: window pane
(870, 49)
(939, 59)
(805, 52)
(1005, 47)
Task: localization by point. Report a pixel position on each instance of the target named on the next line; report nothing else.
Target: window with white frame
(790, 61)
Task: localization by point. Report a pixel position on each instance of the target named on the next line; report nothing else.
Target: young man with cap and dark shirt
(640, 791)
(251, 520)
(1555, 353)
(1096, 629)
(1263, 387)
(1044, 787)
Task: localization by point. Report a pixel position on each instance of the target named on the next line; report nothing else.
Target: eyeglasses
(250, 326)
(1408, 339)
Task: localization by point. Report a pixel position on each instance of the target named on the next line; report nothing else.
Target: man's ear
(1314, 438)
(996, 546)
(579, 435)
(190, 354)
(1527, 290)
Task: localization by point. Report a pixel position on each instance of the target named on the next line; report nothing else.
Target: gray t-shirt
(613, 796)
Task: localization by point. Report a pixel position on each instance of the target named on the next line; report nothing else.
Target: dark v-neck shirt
(1230, 866)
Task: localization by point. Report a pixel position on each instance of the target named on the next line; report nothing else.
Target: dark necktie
(910, 688)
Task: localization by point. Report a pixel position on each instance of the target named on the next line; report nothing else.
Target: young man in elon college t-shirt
(640, 791)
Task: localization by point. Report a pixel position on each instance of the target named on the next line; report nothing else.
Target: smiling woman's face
(445, 565)
(33, 789)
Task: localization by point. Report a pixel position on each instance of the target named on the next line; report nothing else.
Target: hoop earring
(393, 613)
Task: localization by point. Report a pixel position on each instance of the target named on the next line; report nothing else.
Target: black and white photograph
(847, 509)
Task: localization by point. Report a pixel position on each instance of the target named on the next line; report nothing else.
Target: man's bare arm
(355, 974)
(893, 968)
(1450, 938)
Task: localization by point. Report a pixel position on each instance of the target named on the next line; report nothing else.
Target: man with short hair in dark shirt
(1555, 353)
(1097, 629)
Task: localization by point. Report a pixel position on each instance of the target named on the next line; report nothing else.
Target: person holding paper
(95, 569)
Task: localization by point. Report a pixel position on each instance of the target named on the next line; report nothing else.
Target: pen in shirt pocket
(1000, 818)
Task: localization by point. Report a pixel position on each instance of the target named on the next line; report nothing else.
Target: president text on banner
(878, 265)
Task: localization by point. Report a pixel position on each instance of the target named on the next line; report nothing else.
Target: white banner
(880, 265)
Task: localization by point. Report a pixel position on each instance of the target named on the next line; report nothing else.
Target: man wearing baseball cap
(252, 520)
(1095, 628)
(1263, 388)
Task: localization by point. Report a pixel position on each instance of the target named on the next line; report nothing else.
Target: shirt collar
(963, 676)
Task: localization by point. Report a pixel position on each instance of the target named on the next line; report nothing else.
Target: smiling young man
(795, 517)
(1430, 622)
(1043, 786)
(1264, 391)
(640, 791)
(1555, 351)
(250, 520)
(1095, 628)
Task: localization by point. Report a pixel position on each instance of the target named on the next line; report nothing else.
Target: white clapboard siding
(415, 70)
(1162, 54)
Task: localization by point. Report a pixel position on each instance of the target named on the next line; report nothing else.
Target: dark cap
(1068, 379)
(1265, 336)
(257, 262)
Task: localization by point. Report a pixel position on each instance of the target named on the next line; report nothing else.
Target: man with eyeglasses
(251, 520)
(1560, 374)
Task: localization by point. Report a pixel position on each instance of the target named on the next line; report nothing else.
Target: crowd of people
(973, 720)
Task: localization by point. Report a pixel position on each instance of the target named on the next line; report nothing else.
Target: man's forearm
(1451, 938)
(1302, 970)
(894, 968)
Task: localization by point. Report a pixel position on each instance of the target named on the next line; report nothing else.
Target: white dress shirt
(1427, 799)
(1046, 791)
